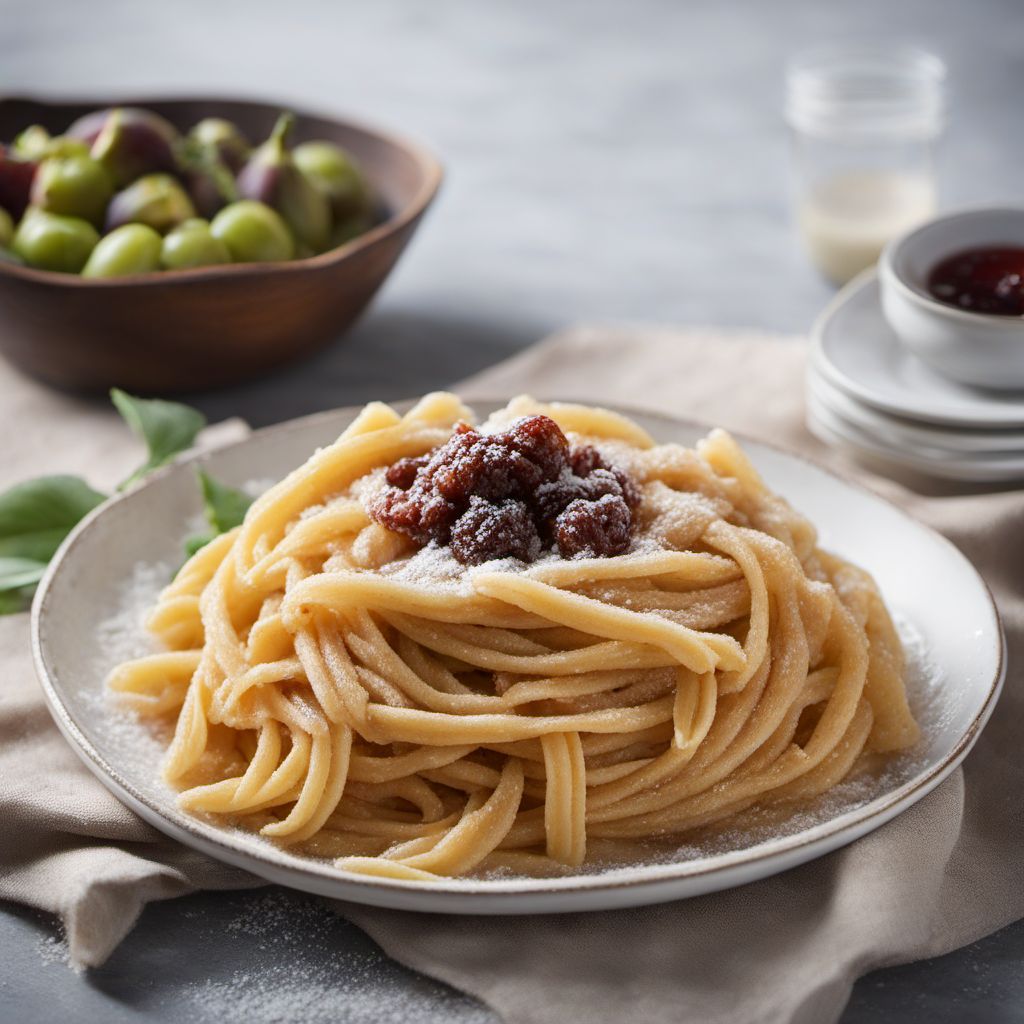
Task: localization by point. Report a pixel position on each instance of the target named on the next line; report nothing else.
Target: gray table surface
(607, 161)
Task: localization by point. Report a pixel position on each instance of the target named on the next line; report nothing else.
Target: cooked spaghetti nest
(406, 716)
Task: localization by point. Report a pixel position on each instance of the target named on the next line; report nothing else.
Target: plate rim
(820, 361)
(475, 896)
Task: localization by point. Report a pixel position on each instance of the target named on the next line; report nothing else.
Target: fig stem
(204, 157)
(223, 180)
(279, 136)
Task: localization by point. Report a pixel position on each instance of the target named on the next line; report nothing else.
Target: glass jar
(864, 122)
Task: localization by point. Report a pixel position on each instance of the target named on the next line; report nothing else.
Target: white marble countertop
(607, 161)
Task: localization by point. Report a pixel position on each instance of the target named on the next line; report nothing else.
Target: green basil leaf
(14, 601)
(197, 541)
(16, 573)
(225, 506)
(35, 516)
(167, 428)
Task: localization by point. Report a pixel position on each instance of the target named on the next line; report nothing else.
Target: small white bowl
(974, 348)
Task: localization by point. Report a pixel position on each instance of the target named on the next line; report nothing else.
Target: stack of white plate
(867, 393)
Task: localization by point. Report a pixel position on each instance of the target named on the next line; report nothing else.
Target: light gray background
(610, 160)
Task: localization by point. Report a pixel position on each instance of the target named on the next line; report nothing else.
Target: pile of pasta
(356, 699)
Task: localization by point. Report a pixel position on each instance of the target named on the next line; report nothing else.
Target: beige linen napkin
(66, 844)
(785, 949)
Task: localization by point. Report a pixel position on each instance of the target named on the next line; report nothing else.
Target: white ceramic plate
(853, 346)
(911, 434)
(832, 427)
(80, 612)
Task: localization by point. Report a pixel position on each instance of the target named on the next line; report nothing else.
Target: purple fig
(157, 200)
(208, 181)
(88, 126)
(271, 176)
(231, 145)
(133, 142)
(15, 182)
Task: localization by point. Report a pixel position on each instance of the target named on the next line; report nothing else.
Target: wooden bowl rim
(430, 167)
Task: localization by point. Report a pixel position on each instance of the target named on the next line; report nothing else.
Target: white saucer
(910, 434)
(855, 349)
(832, 428)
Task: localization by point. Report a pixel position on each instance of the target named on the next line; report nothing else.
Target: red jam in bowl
(989, 280)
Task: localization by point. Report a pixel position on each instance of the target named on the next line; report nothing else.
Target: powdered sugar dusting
(123, 636)
(434, 565)
(54, 949)
(265, 956)
(135, 745)
(287, 984)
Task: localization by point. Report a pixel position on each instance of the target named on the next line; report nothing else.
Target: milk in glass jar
(864, 121)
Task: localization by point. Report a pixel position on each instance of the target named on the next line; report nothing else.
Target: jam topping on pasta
(510, 494)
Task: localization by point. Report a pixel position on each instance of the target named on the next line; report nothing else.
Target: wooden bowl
(190, 330)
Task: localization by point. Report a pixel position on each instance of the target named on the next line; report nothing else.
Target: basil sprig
(36, 516)
(224, 508)
(167, 428)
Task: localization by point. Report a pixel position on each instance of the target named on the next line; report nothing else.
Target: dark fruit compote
(989, 280)
(512, 494)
